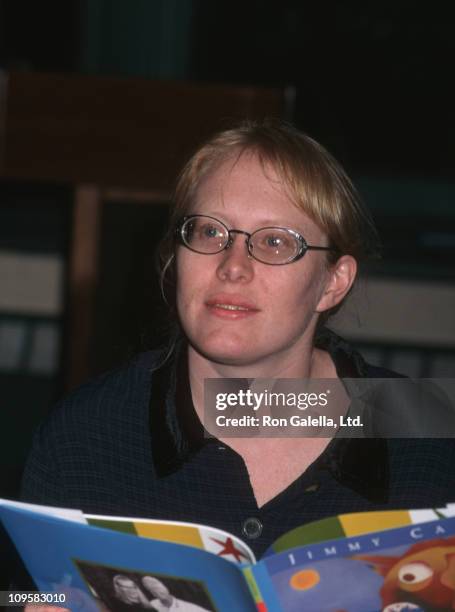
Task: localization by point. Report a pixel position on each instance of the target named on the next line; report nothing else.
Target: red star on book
(230, 549)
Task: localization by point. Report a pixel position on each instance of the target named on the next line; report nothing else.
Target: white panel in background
(12, 339)
(31, 284)
(399, 312)
(44, 349)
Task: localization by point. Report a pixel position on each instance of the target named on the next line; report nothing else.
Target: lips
(231, 306)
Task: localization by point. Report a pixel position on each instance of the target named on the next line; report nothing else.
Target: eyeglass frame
(304, 246)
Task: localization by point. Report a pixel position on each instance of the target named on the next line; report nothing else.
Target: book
(364, 562)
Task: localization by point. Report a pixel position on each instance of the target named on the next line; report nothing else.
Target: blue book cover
(408, 569)
(101, 569)
(405, 569)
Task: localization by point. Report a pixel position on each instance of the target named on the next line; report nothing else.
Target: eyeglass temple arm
(320, 248)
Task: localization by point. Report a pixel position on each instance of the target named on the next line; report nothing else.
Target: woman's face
(236, 310)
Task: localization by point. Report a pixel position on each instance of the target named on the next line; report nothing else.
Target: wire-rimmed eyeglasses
(274, 246)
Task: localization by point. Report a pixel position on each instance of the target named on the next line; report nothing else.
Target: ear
(340, 278)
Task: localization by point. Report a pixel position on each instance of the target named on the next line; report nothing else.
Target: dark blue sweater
(129, 444)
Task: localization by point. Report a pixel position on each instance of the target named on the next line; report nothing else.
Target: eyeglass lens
(270, 245)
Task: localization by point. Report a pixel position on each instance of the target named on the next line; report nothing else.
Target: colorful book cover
(409, 568)
(354, 524)
(103, 569)
(406, 568)
(203, 537)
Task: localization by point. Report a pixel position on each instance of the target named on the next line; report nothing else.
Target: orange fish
(424, 575)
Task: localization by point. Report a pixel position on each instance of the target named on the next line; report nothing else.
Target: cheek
(182, 287)
(192, 274)
(302, 291)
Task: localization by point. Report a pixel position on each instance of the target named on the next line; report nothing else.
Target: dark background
(372, 81)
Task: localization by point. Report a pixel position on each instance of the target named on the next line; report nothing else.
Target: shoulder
(78, 450)
(118, 396)
(372, 371)
(348, 361)
(403, 407)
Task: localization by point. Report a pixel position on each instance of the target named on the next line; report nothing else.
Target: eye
(413, 573)
(209, 231)
(275, 241)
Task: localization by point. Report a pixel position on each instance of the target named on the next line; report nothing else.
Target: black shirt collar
(177, 433)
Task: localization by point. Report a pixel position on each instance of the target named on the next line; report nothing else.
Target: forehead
(239, 177)
(244, 190)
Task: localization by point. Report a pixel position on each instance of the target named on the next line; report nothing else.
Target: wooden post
(83, 277)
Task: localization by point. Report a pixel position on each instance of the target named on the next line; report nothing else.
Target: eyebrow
(260, 224)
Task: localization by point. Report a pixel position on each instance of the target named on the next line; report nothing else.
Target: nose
(236, 264)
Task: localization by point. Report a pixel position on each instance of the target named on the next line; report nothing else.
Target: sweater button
(252, 528)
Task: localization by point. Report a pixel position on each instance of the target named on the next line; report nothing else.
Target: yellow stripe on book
(367, 522)
(252, 584)
(180, 534)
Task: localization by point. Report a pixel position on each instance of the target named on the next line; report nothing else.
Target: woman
(265, 238)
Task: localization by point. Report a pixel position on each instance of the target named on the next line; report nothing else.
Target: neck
(304, 361)
(295, 364)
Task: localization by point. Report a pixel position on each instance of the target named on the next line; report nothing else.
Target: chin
(223, 355)
(226, 352)
(230, 359)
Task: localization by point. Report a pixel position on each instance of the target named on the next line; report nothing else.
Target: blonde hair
(315, 181)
